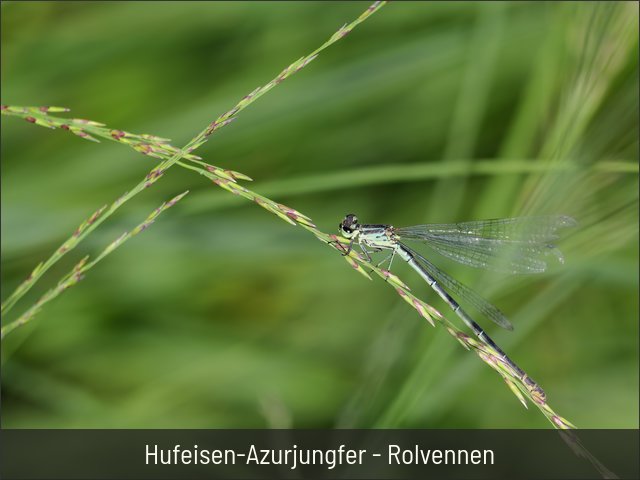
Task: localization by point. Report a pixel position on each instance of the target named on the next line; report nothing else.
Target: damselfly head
(349, 225)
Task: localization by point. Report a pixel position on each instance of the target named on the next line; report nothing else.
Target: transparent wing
(505, 257)
(537, 229)
(463, 293)
(512, 245)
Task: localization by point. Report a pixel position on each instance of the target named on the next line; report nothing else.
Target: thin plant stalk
(77, 273)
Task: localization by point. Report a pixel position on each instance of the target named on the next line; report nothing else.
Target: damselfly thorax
(376, 237)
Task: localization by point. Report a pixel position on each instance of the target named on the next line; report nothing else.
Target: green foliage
(226, 319)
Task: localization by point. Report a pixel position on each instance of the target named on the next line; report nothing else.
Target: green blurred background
(222, 315)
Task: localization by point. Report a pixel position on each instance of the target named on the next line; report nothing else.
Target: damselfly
(511, 245)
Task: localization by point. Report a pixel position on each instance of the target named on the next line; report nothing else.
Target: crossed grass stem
(227, 179)
(152, 145)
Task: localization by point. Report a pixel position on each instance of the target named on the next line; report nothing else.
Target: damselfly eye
(348, 225)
